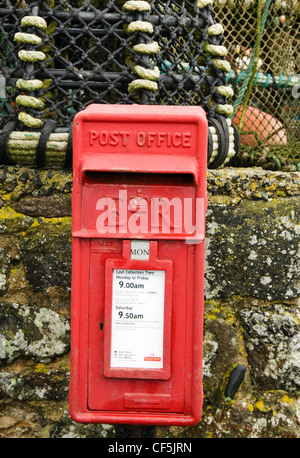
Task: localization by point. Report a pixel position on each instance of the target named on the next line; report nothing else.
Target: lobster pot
(58, 56)
(270, 128)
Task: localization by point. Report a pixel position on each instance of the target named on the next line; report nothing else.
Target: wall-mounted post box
(139, 201)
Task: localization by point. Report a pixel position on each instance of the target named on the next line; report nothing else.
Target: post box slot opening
(131, 178)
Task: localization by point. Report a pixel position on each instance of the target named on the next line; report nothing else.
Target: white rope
(147, 77)
(218, 53)
(34, 84)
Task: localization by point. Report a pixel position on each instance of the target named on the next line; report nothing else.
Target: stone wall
(251, 367)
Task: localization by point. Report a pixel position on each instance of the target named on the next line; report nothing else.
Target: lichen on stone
(251, 308)
(32, 331)
(273, 342)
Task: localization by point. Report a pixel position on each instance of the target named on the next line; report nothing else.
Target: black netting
(89, 55)
(270, 132)
(58, 56)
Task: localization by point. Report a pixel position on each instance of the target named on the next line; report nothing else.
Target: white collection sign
(137, 326)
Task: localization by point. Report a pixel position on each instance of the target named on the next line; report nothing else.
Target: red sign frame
(152, 264)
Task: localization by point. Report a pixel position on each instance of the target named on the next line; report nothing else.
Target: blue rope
(267, 80)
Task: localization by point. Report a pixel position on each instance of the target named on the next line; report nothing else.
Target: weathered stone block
(252, 249)
(52, 206)
(35, 386)
(272, 337)
(4, 270)
(28, 330)
(46, 253)
(251, 313)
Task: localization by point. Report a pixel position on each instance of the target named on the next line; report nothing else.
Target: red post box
(139, 201)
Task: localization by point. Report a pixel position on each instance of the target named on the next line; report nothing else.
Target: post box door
(141, 389)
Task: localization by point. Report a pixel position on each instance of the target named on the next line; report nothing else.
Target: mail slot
(139, 202)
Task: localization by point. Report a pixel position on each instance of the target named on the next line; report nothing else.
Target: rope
(254, 65)
(288, 5)
(223, 141)
(263, 80)
(22, 148)
(30, 57)
(147, 76)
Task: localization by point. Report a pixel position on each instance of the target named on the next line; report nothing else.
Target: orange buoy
(260, 128)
